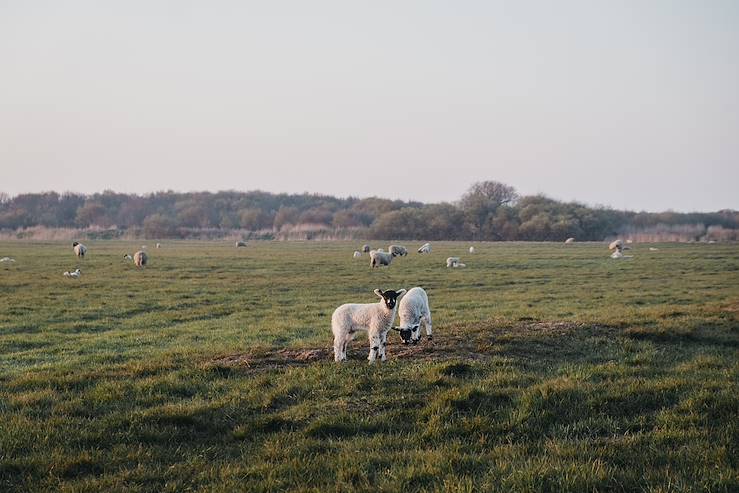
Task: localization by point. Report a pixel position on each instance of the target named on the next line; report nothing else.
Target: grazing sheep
(653, 249)
(378, 258)
(365, 248)
(74, 274)
(240, 244)
(127, 257)
(357, 254)
(425, 248)
(375, 318)
(159, 245)
(79, 249)
(7, 259)
(452, 261)
(140, 258)
(398, 250)
(616, 245)
(472, 249)
(414, 309)
(569, 240)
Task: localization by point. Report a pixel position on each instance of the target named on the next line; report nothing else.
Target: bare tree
(482, 200)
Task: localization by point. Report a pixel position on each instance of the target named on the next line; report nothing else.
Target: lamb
(74, 274)
(159, 245)
(365, 248)
(452, 261)
(140, 258)
(569, 240)
(618, 249)
(357, 254)
(472, 249)
(240, 244)
(7, 259)
(414, 309)
(127, 257)
(378, 258)
(79, 249)
(375, 318)
(425, 248)
(398, 250)
(653, 249)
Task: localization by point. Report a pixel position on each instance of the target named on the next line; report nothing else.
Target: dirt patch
(455, 342)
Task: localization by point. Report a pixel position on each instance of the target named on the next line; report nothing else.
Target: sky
(630, 104)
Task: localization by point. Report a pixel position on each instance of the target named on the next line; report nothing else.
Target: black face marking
(75, 244)
(390, 297)
(405, 335)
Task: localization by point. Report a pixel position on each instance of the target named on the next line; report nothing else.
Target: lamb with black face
(413, 311)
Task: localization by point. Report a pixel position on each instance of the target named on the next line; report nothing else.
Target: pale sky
(631, 104)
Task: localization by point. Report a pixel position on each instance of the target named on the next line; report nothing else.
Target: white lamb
(74, 274)
(378, 258)
(425, 248)
(414, 309)
(472, 249)
(398, 250)
(375, 318)
(357, 254)
(79, 249)
(452, 261)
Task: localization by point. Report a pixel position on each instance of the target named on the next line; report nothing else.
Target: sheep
(375, 318)
(79, 249)
(472, 249)
(240, 244)
(616, 245)
(378, 258)
(74, 274)
(140, 258)
(7, 259)
(459, 265)
(653, 249)
(366, 248)
(425, 248)
(398, 250)
(159, 245)
(414, 309)
(127, 257)
(569, 240)
(357, 254)
(452, 261)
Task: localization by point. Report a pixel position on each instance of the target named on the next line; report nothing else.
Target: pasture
(553, 368)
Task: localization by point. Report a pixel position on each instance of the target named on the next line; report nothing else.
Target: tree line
(488, 211)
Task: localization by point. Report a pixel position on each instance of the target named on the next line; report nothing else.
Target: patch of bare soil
(454, 342)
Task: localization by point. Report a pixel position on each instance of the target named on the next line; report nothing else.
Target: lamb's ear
(378, 292)
(396, 328)
(400, 292)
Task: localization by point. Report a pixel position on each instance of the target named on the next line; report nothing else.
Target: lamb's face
(75, 244)
(390, 297)
(410, 334)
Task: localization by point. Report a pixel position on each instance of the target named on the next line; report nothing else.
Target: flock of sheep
(140, 258)
(380, 257)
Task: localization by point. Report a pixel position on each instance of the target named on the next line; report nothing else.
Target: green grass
(553, 368)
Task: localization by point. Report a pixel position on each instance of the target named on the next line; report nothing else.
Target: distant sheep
(74, 274)
(7, 259)
(653, 249)
(452, 261)
(374, 318)
(366, 249)
(357, 254)
(472, 249)
(425, 248)
(240, 244)
(569, 240)
(378, 258)
(140, 259)
(397, 250)
(159, 245)
(79, 249)
(414, 310)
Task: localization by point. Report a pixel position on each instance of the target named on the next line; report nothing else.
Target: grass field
(553, 368)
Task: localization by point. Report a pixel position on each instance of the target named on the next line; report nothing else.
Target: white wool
(570, 240)
(459, 265)
(452, 261)
(7, 259)
(378, 258)
(616, 244)
(357, 254)
(472, 249)
(79, 249)
(374, 318)
(425, 248)
(413, 310)
(140, 258)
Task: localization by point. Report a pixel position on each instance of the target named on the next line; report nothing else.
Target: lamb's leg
(427, 323)
(383, 346)
(340, 348)
(375, 342)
